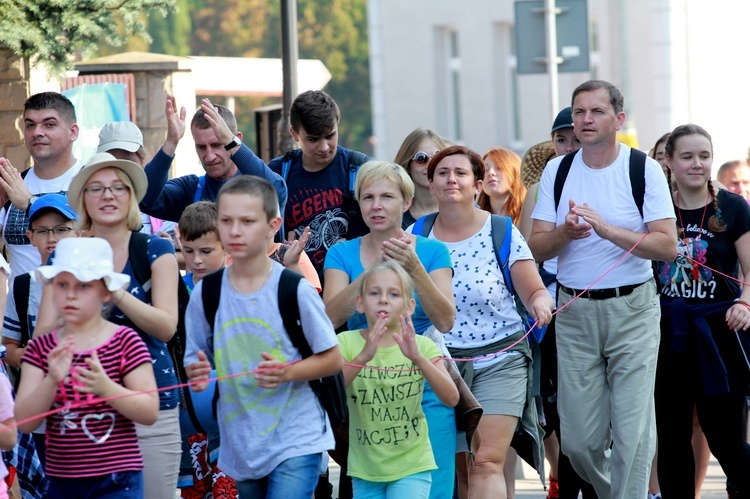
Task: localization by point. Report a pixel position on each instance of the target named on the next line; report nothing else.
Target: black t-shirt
(407, 220)
(320, 200)
(716, 251)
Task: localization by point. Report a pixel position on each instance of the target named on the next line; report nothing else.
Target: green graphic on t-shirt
(241, 353)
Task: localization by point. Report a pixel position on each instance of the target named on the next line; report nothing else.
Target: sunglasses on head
(422, 157)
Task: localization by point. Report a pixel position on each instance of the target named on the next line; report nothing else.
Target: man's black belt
(602, 294)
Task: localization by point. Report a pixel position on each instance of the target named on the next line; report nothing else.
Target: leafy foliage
(334, 31)
(51, 31)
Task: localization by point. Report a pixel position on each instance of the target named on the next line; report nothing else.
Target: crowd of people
(585, 303)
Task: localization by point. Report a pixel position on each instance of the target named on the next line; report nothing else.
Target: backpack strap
(286, 164)
(502, 235)
(289, 310)
(637, 172)
(423, 226)
(199, 189)
(21, 291)
(562, 176)
(355, 160)
(138, 256)
(638, 177)
(210, 296)
(502, 230)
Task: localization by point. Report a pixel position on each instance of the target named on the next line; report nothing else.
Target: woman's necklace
(703, 217)
(691, 246)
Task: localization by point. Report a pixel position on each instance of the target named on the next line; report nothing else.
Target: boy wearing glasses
(320, 178)
(51, 219)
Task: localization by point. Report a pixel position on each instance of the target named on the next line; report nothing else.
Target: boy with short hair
(265, 448)
(319, 178)
(199, 238)
(200, 476)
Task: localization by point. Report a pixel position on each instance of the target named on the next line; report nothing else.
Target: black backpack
(21, 291)
(138, 256)
(637, 177)
(331, 390)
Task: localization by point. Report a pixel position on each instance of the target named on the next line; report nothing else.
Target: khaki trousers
(607, 351)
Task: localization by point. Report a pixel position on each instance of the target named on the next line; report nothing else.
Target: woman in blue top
(105, 195)
(384, 192)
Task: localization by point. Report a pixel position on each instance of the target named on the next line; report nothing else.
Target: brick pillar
(14, 90)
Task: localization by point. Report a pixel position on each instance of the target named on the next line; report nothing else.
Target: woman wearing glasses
(413, 155)
(105, 195)
(384, 192)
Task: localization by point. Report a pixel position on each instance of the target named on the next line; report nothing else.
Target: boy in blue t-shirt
(264, 392)
(199, 238)
(204, 254)
(319, 178)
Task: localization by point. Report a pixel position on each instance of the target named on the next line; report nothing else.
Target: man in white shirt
(49, 130)
(608, 338)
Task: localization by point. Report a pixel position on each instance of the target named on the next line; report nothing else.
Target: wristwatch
(32, 200)
(235, 142)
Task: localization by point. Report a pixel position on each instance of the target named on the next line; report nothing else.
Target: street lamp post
(289, 57)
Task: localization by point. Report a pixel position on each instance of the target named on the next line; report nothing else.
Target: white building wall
(676, 61)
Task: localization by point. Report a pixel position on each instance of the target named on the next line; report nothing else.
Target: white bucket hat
(88, 259)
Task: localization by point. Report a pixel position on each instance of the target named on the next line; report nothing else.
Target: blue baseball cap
(56, 202)
(564, 119)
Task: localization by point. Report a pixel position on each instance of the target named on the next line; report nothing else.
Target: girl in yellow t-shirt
(387, 364)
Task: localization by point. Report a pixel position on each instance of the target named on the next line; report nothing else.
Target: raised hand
(593, 218)
(199, 372)
(401, 249)
(274, 375)
(219, 126)
(175, 125)
(406, 341)
(59, 360)
(14, 188)
(94, 379)
(573, 228)
(296, 247)
(374, 335)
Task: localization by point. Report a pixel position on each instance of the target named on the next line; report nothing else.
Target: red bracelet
(742, 302)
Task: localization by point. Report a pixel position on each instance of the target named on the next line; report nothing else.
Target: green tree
(50, 31)
(171, 34)
(334, 32)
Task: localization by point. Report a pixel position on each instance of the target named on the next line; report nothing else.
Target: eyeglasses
(97, 191)
(422, 157)
(45, 232)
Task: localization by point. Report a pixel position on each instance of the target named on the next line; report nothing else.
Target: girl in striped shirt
(91, 379)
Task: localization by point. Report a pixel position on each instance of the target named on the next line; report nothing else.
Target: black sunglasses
(422, 157)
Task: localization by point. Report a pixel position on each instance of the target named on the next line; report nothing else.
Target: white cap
(120, 135)
(88, 259)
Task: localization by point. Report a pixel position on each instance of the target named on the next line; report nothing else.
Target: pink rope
(254, 371)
